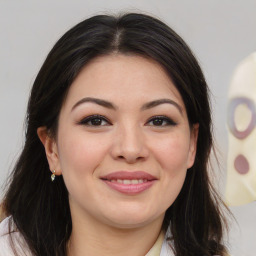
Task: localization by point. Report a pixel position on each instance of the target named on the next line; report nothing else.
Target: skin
(127, 138)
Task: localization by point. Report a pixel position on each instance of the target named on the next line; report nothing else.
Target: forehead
(123, 77)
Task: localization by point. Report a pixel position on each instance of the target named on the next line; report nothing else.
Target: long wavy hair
(40, 208)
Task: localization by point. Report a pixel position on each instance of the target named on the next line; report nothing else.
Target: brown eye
(158, 121)
(161, 121)
(95, 120)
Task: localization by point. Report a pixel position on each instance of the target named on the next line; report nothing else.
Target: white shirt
(6, 241)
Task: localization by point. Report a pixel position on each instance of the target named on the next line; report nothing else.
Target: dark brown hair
(40, 209)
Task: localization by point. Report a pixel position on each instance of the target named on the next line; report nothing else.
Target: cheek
(172, 154)
(79, 154)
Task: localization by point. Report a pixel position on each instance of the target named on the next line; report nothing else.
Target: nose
(129, 145)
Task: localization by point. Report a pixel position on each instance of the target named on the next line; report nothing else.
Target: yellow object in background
(241, 165)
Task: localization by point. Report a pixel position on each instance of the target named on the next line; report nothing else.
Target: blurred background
(220, 33)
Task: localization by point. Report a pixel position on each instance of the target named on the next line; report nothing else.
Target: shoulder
(5, 244)
(10, 236)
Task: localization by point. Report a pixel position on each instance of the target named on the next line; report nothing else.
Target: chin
(132, 220)
(132, 224)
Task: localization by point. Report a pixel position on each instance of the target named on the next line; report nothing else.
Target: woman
(117, 146)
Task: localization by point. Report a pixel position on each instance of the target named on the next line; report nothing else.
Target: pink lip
(129, 189)
(126, 175)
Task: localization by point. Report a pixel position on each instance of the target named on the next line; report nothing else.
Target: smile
(130, 183)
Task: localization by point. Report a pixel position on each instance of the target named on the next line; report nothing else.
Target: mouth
(130, 183)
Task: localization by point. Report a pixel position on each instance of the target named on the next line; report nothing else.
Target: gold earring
(53, 175)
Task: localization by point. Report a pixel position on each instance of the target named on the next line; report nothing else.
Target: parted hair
(40, 208)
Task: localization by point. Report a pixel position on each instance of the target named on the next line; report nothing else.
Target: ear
(193, 145)
(51, 149)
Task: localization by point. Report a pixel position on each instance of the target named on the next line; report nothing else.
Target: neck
(92, 238)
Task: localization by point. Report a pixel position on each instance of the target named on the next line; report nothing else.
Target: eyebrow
(109, 105)
(155, 103)
(100, 102)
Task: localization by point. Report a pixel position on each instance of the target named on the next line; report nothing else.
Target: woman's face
(123, 143)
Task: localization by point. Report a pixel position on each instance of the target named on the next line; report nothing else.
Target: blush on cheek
(81, 158)
(172, 156)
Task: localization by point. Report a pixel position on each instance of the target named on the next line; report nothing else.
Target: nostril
(241, 164)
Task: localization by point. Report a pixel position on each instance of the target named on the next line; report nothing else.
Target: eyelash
(167, 120)
(88, 121)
